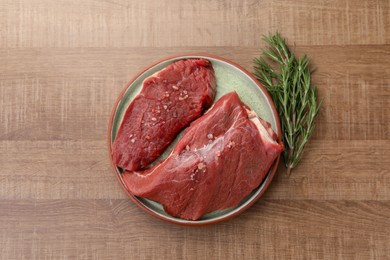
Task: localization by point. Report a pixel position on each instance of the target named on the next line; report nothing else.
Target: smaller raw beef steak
(221, 158)
(169, 100)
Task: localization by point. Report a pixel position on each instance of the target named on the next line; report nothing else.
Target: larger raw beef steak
(220, 159)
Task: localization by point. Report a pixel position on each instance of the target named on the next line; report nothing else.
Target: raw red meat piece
(169, 101)
(221, 158)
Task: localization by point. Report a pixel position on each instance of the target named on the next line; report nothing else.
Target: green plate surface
(229, 78)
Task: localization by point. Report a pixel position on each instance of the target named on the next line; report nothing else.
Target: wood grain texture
(119, 23)
(62, 65)
(270, 229)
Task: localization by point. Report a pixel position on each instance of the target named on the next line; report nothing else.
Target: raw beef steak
(221, 158)
(169, 101)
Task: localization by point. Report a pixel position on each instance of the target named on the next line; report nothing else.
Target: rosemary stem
(288, 79)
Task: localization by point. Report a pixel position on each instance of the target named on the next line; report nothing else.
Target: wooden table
(63, 63)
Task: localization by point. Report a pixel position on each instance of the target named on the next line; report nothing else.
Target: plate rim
(183, 222)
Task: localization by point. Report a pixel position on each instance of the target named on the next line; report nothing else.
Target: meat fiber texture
(169, 100)
(220, 159)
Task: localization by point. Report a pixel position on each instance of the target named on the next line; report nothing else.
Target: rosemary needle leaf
(288, 79)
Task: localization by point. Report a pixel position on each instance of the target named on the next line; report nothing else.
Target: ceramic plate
(230, 77)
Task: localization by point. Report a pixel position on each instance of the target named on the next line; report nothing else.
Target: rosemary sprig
(288, 80)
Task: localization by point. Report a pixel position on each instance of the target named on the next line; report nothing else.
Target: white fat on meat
(252, 116)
